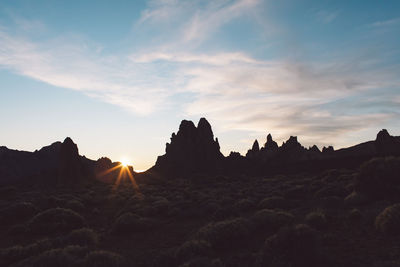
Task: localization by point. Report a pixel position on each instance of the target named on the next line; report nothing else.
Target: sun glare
(124, 162)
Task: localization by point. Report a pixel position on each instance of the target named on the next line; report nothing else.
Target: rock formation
(270, 144)
(253, 152)
(70, 167)
(328, 149)
(191, 149)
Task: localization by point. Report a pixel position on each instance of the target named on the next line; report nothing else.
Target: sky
(119, 76)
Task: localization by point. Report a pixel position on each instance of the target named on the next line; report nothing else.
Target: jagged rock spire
(70, 166)
(270, 144)
(256, 146)
(192, 148)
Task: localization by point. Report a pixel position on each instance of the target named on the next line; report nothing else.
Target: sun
(124, 162)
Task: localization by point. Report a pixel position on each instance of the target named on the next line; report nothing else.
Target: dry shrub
(56, 220)
(388, 220)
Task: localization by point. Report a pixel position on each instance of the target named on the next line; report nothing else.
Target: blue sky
(118, 77)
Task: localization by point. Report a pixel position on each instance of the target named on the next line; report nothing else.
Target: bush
(355, 199)
(203, 261)
(56, 220)
(103, 258)
(295, 246)
(129, 223)
(17, 212)
(225, 234)
(354, 216)
(273, 203)
(84, 237)
(75, 205)
(244, 205)
(271, 220)
(379, 177)
(18, 253)
(388, 220)
(192, 249)
(316, 219)
(60, 257)
(331, 190)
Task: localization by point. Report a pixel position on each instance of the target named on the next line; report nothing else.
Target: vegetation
(388, 220)
(301, 219)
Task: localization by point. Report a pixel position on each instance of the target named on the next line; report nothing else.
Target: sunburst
(125, 172)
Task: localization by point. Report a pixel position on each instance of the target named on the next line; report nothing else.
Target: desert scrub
(316, 219)
(388, 221)
(192, 249)
(295, 246)
(244, 205)
(274, 202)
(355, 199)
(225, 234)
(84, 237)
(354, 216)
(203, 261)
(18, 212)
(18, 252)
(75, 205)
(129, 223)
(379, 177)
(102, 258)
(331, 190)
(55, 220)
(271, 220)
(60, 257)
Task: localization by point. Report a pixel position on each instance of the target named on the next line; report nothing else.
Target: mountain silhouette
(192, 150)
(279, 205)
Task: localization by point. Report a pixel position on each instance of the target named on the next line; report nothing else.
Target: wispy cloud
(235, 89)
(73, 63)
(384, 23)
(327, 16)
(196, 20)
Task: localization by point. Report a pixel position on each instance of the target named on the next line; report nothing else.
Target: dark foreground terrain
(245, 212)
(296, 220)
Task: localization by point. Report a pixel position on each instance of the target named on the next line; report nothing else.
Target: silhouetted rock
(70, 167)
(291, 144)
(328, 149)
(314, 148)
(383, 136)
(386, 144)
(253, 152)
(191, 149)
(270, 144)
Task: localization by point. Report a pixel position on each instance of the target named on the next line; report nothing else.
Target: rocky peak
(253, 152)
(314, 148)
(387, 144)
(69, 148)
(204, 129)
(69, 165)
(383, 136)
(187, 129)
(270, 144)
(291, 143)
(256, 146)
(328, 149)
(192, 148)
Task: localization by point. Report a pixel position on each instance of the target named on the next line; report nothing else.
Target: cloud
(320, 101)
(327, 16)
(195, 21)
(385, 23)
(75, 64)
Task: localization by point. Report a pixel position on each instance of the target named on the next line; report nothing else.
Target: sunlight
(125, 162)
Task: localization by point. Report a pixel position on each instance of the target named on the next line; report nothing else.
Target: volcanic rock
(270, 144)
(191, 149)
